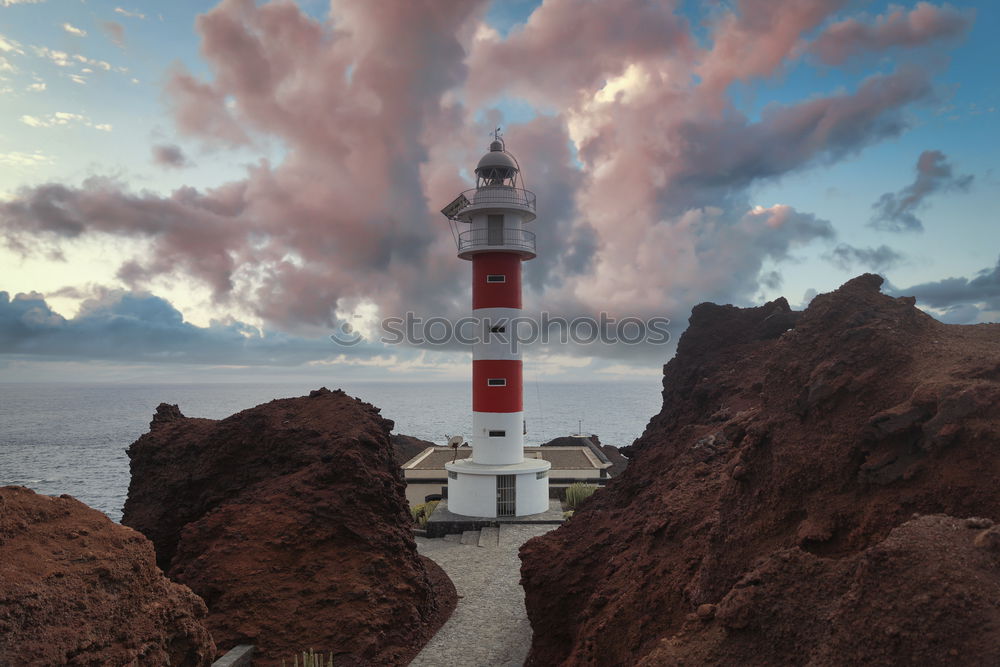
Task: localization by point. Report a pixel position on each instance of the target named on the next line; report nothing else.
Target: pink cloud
(115, 32)
(643, 166)
(922, 25)
(756, 38)
(570, 48)
(169, 155)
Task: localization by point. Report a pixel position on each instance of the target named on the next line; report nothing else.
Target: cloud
(644, 167)
(38, 86)
(73, 30)
(962, 300)
(922, 25)
(67, 60)
(21, 159)
(847, 257)
(8, 45)
(102, 64)
(141, 327)
(169, 155)
(129, 14)
(757, 38)
(10, 3)
(565, 36)
(63, 119)
(115, 32)
(59, 58)
(896, 211)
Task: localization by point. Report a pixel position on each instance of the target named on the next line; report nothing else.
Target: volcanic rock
(604, 453)
(405, 447)
(290, 520)
(788, 480)
(79, 589)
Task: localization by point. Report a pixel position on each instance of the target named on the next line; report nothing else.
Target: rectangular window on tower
(496, 278)
(496, 382)
(498, 434)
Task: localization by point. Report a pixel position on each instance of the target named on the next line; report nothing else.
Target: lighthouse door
(506, 498)
(494, 229)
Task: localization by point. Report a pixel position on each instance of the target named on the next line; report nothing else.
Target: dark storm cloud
(169, 155)
(126, 326)
(896, 211)
(732, 153)
(848, 257)
(964, 300)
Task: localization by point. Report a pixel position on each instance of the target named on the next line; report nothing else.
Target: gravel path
(489, 627)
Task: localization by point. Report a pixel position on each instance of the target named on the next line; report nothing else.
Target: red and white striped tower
(496, 480)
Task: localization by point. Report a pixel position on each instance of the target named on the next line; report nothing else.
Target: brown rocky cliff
(79, 589)
(799, 439)
(290, 520)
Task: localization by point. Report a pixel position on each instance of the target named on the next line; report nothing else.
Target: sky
(206, 191)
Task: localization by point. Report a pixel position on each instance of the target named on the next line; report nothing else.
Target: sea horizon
(70, 437)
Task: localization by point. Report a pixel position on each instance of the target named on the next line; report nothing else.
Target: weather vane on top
(496, 134)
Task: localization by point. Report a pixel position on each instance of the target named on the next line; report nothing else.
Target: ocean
(71, 438)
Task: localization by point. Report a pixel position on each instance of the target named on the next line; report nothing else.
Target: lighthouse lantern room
(496, 481)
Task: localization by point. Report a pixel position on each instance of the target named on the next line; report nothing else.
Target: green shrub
(577, 493)
(421, 513)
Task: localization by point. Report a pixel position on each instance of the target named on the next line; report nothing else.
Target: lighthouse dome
(496, 160)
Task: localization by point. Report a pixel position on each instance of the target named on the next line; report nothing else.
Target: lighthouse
(491, 226)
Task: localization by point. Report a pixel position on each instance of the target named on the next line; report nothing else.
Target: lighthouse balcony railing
(501, 195)
(482, 239)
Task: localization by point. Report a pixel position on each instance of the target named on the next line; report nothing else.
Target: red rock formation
(618, 462)
(405, 447)
(766, 514)
(289, 519)
(610, 453)
(79, 589)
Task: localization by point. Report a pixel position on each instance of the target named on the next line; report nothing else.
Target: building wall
(473, 495)
(532, 494)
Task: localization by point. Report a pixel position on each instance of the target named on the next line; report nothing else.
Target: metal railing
(482, 238)
(501, 194)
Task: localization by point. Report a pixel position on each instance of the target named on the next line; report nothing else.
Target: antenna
(498, 139)
(455, 442)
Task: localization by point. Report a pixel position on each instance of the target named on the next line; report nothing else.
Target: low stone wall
(239, 656)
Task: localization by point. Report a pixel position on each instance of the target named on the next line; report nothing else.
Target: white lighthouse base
(481, 490)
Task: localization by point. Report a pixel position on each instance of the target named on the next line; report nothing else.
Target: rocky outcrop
(618, 462)
(768, 514)
(289, 519)
(604, 453)
(78, 589)
(405, 447)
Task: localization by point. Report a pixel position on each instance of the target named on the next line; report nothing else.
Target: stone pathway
(490, 626)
